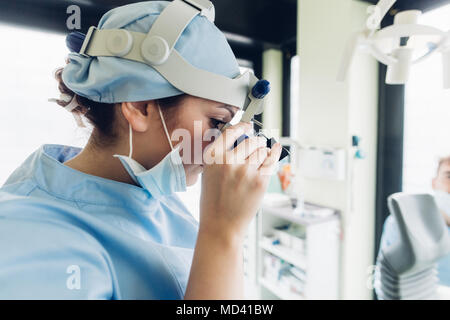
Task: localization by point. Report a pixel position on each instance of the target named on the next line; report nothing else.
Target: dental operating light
(398, 46)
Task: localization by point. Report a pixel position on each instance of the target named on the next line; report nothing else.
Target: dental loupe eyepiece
(269, 144)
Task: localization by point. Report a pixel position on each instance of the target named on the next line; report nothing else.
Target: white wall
(329, 114)
(273, 72)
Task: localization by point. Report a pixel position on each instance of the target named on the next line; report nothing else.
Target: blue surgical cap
(113, 80)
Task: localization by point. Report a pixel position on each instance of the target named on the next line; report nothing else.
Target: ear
(137, 115)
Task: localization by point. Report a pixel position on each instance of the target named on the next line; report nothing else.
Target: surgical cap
(113, 79)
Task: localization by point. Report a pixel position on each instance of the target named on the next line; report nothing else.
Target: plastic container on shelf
(290, 236)
(298, 238)
(284, 237)
(270, 239)
(281, 233)
(272, 267)
(296, 285)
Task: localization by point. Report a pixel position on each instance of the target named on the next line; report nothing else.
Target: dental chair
(407, 270)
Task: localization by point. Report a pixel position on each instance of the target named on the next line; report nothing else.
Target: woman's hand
(233, 184)
(234, 181)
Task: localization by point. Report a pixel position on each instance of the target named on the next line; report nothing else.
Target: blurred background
(401, 130)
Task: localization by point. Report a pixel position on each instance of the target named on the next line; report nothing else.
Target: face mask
(165, 178)
(443, 201)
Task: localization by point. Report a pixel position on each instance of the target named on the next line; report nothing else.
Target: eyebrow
(229, 108)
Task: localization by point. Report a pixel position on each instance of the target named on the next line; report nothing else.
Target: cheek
(447, 185)
(443, 184)
(199, 133)
(209, 135)
(201, 140)
(193, 143)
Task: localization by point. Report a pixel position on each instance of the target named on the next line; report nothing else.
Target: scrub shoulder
(44, 256)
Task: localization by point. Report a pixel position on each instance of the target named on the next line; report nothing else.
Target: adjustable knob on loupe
(261, 89)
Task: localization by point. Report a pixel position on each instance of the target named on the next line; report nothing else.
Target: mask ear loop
(131, 141)
(165, 130)
(165, 127)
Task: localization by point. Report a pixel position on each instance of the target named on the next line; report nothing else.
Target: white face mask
(443, 201)
(167, 177)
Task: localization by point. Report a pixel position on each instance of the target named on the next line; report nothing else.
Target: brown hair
(102, 115)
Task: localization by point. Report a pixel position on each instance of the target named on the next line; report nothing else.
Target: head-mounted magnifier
(157, 49)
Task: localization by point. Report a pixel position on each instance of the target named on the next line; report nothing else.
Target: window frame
(391, 124)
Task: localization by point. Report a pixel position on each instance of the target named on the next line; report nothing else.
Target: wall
(329, 114)
(273, 72)
(27, 119)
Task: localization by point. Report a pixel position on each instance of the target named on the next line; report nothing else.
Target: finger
(257, 158)
(270, 162)
(226, 140)
(245, 149)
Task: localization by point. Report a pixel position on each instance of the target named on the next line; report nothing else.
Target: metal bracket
(85, 45)
(205, 6)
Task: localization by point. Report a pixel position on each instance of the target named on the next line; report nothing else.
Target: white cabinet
(303, 267)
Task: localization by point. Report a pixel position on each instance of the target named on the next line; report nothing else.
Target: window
(27, 119)
(427, 115)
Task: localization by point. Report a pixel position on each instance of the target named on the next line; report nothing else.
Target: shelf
(279, 292)
(286, 254)
(287, 213)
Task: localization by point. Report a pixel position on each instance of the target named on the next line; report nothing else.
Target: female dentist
(97, 224)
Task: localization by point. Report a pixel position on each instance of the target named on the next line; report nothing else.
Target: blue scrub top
(391, 234)
(65, 234)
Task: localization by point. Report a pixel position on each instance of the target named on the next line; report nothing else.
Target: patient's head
(442, 180)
